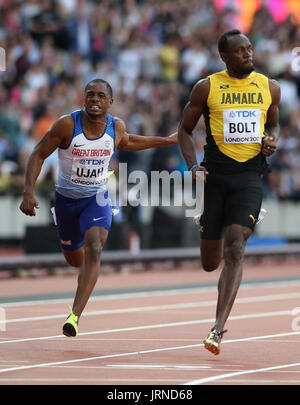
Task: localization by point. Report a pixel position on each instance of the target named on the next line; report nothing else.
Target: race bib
(89, 172)
(242, 125)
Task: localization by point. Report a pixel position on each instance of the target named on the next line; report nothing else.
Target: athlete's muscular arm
(58, 135)
(191, 115)
(272, 125)
(131, 142)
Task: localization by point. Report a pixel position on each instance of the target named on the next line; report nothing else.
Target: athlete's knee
(234, 251)
(94, 249)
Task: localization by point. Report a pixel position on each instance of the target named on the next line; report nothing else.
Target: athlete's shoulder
(200, 92)
(119, 123)
(202, 83)
(63, 124)
(202, 86)
(274, 84)
(271, 83)
(121, 135)
(64, 120)
(275, 91)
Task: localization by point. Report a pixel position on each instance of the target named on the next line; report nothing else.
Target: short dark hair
(223, 40)
(108, 86)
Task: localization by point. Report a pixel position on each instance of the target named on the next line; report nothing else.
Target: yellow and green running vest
(235, 117)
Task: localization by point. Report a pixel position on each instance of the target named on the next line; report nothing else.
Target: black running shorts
(230, 199)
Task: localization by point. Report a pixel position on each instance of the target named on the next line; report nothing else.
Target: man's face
(97, 99)
(238, 57)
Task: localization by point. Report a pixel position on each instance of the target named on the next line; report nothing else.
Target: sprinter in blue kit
(86, 141)
(82, 177)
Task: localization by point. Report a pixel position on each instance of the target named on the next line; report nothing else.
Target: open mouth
(95, 107)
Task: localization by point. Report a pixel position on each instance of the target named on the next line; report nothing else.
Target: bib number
(242, 126)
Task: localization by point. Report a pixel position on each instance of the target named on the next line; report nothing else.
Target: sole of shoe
(211, 347)
(68, 330)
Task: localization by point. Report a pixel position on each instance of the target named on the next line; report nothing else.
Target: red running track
(151, 336)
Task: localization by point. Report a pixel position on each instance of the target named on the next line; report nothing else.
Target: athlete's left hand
(269, 146)
(199, 169)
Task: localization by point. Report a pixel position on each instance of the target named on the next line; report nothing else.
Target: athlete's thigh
(244, 201)
(67, 217)
(212, 218)
(96, 213)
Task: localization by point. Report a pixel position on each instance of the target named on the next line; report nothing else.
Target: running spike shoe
(213, 340)
(70, 327)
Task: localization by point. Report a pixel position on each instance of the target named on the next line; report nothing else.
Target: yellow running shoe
(213, 340)
(70, 327)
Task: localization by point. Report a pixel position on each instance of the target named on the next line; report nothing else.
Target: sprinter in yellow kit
(237, 112)
(240, 108)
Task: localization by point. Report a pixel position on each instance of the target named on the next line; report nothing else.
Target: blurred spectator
(169, 57)
(194, 61)
(151, 52)
(80, 31)
(47, 22)
(10, 123)
(129, 64)
(289, 97)
(45, 121)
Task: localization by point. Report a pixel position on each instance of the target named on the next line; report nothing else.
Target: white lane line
(105, 381)
(168, 367)
(109, 356)
(143, 366)
(109, 339)
(157, 366)
(154, 326)
(228, 375)
(245, 300)
(160, 325)
(129, 381)
(138, 366)
(175, 291)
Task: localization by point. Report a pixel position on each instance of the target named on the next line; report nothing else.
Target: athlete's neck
(238, 75)
(95, 120)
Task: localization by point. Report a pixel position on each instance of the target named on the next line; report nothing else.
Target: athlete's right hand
(199, 169)
(29, 204)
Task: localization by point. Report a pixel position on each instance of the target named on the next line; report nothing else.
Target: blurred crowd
(152, 53)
